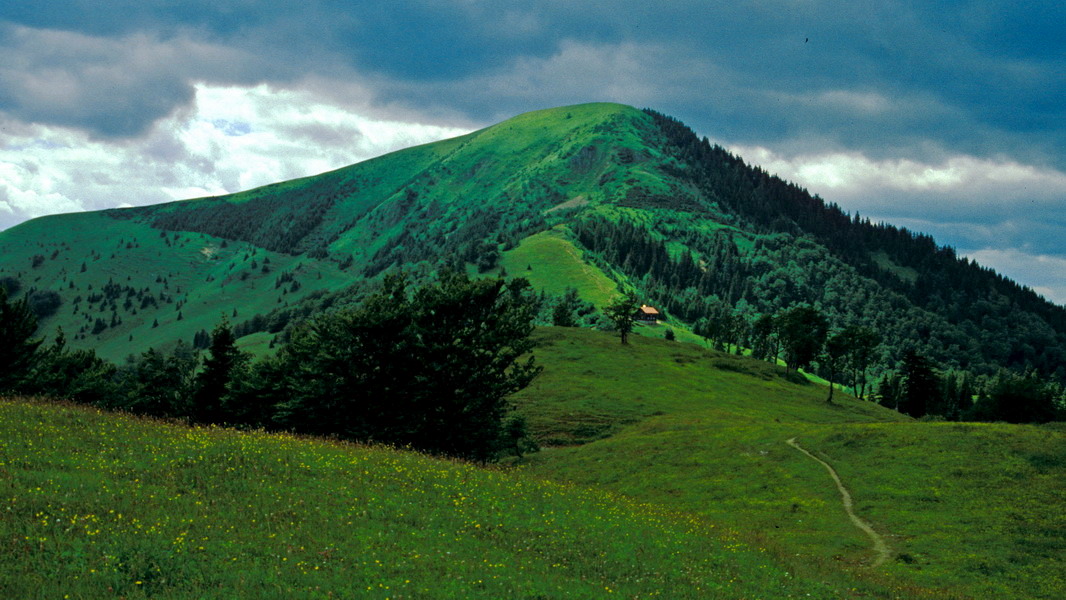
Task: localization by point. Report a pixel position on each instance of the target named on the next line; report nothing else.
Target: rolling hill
(602, 198)
(968, 510)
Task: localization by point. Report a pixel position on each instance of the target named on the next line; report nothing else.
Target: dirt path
(880, 547)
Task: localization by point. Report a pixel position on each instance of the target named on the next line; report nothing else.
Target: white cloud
(852, 172)
(957, 188)
(230, 139)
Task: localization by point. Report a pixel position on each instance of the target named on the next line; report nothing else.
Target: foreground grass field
(105, 506)
(968, 510)
(665, 474)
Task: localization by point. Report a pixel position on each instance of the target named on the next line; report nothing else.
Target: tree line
(429, 368)
(801, 338)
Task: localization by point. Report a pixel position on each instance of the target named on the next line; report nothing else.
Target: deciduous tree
(623, 314)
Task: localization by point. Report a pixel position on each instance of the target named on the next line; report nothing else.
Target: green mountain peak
(599, 197)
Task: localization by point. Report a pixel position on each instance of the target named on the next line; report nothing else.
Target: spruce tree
(213, 382)
(18, 348)
(921, 386)
(563, 313)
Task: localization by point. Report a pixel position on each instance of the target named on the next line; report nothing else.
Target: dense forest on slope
(977, 318)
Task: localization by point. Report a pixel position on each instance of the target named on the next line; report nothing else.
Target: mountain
(602, 198)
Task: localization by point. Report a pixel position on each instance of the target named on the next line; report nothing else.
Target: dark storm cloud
(976, 77)
(112, 87)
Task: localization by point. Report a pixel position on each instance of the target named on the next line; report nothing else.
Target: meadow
(664, 472)
(969, 510)
(110, 506)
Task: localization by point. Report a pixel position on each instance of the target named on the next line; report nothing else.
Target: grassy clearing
(104, 506)
(593, 385)
(553, 263)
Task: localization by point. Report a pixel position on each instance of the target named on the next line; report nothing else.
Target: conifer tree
(18, 348)
(212, 385)
(563, 313)
(921, 385)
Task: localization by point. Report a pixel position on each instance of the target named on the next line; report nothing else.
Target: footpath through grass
(101, 505)
(968, 510)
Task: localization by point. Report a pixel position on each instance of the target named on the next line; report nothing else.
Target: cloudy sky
(944, 117)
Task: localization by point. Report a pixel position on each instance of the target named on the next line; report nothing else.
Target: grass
(977, 505)
(665, 474)
(207, 277)
(104, 506)
(970, 511)
(553, 263)
(906, 274)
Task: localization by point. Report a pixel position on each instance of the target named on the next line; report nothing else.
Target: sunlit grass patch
(103, 506)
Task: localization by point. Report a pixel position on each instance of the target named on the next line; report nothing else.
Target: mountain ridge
(638, 195)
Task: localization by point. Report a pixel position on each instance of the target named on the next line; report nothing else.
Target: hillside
(599, 197)
(672, 478)
(968, 510)
(105, 506)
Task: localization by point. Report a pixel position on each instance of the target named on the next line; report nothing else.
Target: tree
(430, 369)
(765, 341)
(861, 344)
(10, 285)
(623, 313)
(563, 313)
(18, 349)
(920, 385)
(77, 375)
(160, 384)
(44, 303)
(836, 349)
(1017, 398)
(721, 327)
(802, 330)
(212, 384)
(255, 394)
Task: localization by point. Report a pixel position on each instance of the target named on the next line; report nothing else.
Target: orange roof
(648, 310)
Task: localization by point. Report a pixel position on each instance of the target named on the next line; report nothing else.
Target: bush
(10, 285)
(44, 303)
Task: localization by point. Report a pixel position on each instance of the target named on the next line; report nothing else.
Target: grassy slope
(703, 432)
(105, 506)
(559, 265)
(535, 161)
(692, 489)
(199, 273)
